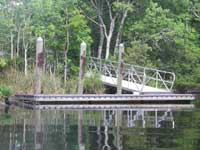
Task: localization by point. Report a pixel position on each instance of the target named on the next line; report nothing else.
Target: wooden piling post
(39, 66)
(82, 67)
(120, 69)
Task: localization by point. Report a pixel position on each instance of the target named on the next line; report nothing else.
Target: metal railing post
(144, 80)
(156, 79)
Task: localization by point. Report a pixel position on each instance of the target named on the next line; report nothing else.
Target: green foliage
(19, 83)
(5, 91)
(6, 119)
(71, 86)
(93, 84)
(2, 63)
(173, 42)
(137, 53)
(122, 6)
(160, 33)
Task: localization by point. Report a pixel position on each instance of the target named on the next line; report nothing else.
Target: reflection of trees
(24, 134)
(65, 130)
(188, 122)
(109, 129)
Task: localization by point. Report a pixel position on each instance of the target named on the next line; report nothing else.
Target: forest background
(162, 34)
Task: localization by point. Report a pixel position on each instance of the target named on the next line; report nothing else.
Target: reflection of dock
(103, 107)
(139, 118)
(106, 129)
(156, 118)
(114, 124)
(103, 101)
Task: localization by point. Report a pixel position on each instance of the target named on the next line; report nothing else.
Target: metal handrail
(139, 74)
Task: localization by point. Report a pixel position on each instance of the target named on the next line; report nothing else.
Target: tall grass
(25, 84)
(93, 84)
(71, 86)
(51, 84)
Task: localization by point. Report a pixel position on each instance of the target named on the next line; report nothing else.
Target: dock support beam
(120, 69)
(82, 67)
(39, 66)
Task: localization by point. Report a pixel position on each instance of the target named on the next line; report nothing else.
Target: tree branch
(90, 18)
(196, 14)
(103, 25)
(93, 4)
(109, 9)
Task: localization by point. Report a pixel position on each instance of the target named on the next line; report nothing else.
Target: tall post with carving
(82, 67)
(120, 69)
(39, 66)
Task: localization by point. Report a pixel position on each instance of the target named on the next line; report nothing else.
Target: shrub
(5, 91)
(93, 84)
(2, 63)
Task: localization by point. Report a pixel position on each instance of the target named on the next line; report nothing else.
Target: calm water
(139, 129)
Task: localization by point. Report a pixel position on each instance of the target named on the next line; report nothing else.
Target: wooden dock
(123, 101)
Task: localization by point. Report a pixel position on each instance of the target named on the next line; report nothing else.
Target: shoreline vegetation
(158, 34)
(13, 82)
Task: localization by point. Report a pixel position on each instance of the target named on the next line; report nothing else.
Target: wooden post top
(83, 49)
(39, 39)
(121, 48)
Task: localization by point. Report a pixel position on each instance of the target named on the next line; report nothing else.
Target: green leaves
(173, 37)
(137, 53)
(160, 33)
(5, 91)
(93, 84)
(2, 63)
(80, 29)
(122, 6)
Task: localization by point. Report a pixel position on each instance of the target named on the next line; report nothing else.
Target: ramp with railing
(135, 78)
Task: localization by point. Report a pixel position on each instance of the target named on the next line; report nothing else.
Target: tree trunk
(108, 40)
(65, 67)
(25, 62)
(18, 40)
(109, 37)
(119, 34)
(25, 47)
(100, 48)
(66, 48)
(11, 45)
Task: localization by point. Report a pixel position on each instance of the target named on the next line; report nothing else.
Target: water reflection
(154, 118)
(90, 130)
(38, 131)
(80, 131)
